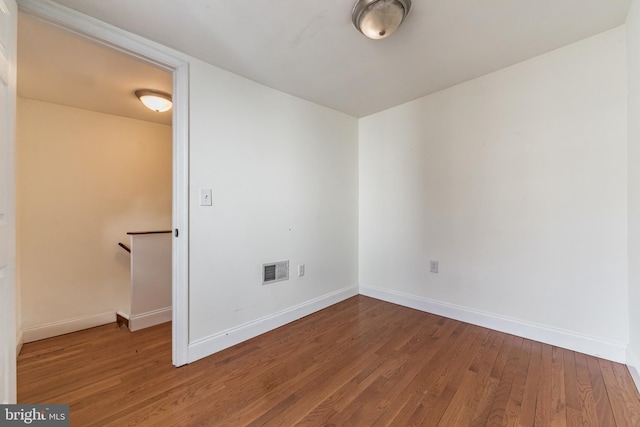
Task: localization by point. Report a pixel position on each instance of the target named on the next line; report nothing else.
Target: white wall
(84, 180)
(633, 60)
(516, 182)
(284, 174)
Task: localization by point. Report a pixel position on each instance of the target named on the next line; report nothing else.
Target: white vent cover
(275, 272)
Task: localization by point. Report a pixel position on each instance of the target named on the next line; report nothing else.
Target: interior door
(8, 37)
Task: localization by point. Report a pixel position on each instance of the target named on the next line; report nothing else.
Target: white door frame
(8, 310)
(161, 57)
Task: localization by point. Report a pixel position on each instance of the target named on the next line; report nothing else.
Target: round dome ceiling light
(155, 100)
(378, 19)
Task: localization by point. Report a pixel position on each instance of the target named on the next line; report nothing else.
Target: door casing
(8, 309)
(161, 57)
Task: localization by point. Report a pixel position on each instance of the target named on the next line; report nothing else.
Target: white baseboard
(150, 318)
(19, 343)
(633, 363)
(66, 326)
(594, 346)
(212, 344)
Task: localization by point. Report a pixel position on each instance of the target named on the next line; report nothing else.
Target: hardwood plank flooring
(359, 362)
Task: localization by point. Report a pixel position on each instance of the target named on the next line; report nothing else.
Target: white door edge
(8, 309)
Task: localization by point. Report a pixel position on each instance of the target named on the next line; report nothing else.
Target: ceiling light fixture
(378, 19)
(155, 100)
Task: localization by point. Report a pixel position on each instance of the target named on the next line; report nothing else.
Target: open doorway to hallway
(93, 165)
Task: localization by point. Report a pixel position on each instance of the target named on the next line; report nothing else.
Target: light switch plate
(205, 197)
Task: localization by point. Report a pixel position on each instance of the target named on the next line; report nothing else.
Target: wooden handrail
(134, 233)
(125, 247)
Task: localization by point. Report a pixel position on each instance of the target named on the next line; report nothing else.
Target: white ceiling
(310, 48)
(57, 66)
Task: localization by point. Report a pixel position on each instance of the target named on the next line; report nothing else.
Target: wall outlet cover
(433, 266)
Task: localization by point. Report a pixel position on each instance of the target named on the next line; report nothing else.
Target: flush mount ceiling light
(378, 19)
(155, 100)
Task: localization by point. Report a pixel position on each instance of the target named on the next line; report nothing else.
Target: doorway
(177, 70)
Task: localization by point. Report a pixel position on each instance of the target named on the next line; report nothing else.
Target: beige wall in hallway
(84, 180)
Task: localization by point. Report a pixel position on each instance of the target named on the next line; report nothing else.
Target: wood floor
(360, 362)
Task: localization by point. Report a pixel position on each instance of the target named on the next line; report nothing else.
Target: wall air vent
(275, 272)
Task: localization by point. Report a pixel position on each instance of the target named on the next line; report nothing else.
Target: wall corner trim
(633, 364)
(212, 344)
(594, 346)
(19, 343)
(66, 326)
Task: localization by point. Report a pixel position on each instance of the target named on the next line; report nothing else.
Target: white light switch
(205, 197)
(301, 270)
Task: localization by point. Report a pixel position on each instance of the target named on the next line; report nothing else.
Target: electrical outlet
(301, 270)
(205, 197)
(433, 266)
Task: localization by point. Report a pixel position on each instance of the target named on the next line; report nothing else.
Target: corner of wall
(633, 364)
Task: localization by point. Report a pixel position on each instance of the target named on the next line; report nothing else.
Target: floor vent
(275, 272)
